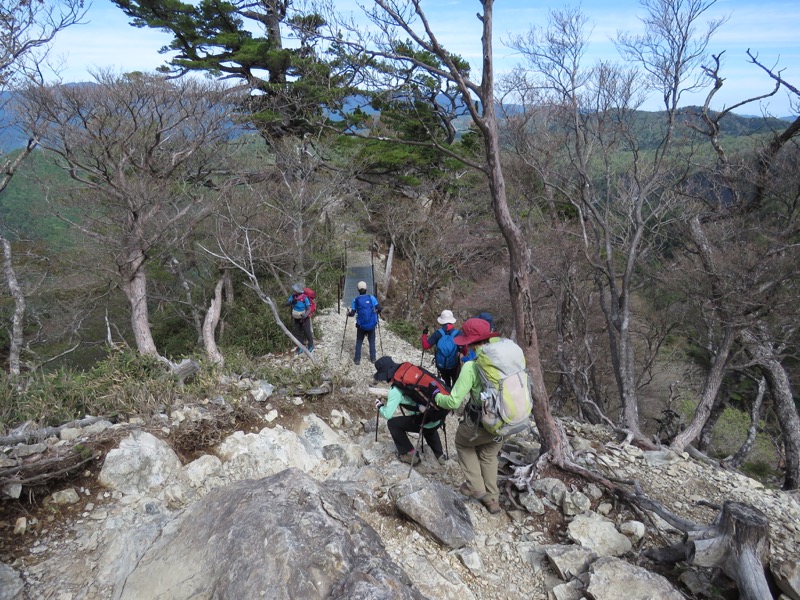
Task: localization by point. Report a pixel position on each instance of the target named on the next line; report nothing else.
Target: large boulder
(271, 450)
(283, 537)
(613, 578)
(11, 586)
(141, 463)
(442, 512)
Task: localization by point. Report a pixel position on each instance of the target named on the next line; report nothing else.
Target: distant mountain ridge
(733, 124)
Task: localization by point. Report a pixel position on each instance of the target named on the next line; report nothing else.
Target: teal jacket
(397, 398)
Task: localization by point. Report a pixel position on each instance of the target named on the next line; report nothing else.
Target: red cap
(474, 330)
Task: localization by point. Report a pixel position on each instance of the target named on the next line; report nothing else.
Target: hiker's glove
(425, 331)
(378, 404)
(351, 313)
(433, 389)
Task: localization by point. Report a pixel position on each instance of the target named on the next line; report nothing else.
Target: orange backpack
(419, 384)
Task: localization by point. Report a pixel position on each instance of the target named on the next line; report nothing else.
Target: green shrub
(406, 330)
(250, 327)
(123, 383)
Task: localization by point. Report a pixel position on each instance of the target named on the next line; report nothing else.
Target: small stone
(21, 526)
(605, 508)
(69, 434)
(67, 496)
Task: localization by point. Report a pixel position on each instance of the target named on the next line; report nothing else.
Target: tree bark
(17, 321)
(135, 288)
(740, 547)
(553, 439)
(720, 358)
(737, 542)
(210, 324)
(710, 389)
(175, 267)
(387, 276)
(758, 342)
(755, 412)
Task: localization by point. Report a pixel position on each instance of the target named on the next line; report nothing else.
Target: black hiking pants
(302, 331)
(400, 426)
(448, 376)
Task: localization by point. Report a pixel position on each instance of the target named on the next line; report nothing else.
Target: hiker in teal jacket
(412, 420)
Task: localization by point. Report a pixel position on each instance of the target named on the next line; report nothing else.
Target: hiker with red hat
(477, 443)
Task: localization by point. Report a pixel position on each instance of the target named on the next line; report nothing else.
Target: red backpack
(418, 384)
(311, 295)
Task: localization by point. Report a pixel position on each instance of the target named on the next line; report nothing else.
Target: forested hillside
(645, 261)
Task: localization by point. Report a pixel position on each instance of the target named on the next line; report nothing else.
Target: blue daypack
(446, 349)
(366, 318)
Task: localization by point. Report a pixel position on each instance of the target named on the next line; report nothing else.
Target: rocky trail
(96, 536)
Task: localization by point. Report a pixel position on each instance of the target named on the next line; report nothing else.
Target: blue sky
(768, 27)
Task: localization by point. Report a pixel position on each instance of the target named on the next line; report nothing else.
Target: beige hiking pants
(477, 455)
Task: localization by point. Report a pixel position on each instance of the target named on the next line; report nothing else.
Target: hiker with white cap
(447, 355)
(365, 308)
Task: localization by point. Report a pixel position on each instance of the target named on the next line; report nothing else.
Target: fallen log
(737, 543)
(44, 433)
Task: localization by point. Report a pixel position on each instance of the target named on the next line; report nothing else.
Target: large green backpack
(506, 396)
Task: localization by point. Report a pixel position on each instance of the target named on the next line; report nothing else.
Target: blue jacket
(354, 309)
(300, 303)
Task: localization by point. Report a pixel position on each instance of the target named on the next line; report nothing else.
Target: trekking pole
(380, 336)
(377, 416)
(444, 432)
(418, 449)
(343, 334)
(422, 357)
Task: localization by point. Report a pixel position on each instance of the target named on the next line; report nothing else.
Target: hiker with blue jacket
(366, 309)
(447, 353)
(411, 420)
(301, 311)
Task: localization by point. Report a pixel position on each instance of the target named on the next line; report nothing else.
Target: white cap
(446, 317)
(362, 285)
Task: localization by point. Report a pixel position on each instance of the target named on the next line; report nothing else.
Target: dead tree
(736, 542)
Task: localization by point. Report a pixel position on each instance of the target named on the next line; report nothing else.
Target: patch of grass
(124, 383)
(406, 330)
(730, 432)
(760, 471)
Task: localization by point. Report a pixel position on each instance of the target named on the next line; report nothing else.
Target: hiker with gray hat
(301, 315)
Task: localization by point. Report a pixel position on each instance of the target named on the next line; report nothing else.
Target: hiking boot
(410, 458)
(356, 361)
(493, 506)
(442, 459)
(468, 491)
(311, 348)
